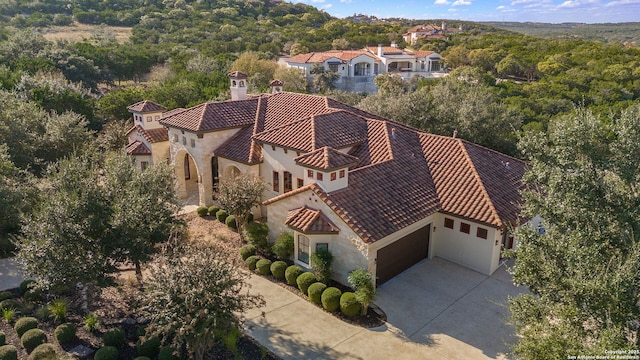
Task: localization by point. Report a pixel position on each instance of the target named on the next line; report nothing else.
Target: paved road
(435, 310)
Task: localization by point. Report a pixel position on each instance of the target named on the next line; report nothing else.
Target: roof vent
(393, 133)
(506, 165)
(455, 133)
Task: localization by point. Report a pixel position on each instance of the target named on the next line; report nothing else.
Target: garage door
(402, 254)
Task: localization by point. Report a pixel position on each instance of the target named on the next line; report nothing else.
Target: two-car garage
(402, 254)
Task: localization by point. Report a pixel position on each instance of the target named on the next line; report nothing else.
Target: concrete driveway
(436, 309)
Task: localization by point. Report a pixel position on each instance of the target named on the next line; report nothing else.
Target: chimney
(276, 86)
(238, 85)
(380, 52)
(444, 26)
(455, 133)
(394, 44)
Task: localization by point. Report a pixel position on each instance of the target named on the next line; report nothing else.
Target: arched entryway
(187, 176)
(232, 172)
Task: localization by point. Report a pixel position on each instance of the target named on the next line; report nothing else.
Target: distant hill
(608, 33)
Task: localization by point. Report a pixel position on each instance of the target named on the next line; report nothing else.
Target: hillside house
(378, 194)
(428, 31)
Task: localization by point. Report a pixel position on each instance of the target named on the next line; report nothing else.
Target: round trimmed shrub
(8, 352)
(3, 339)
(26, 285)
(149, 347)
(167, 353)
(6, 295)
(349, 306)
(330, 298)
(263, 266)
(25, 324)
(107, 353)
(252, 261)
(278, 268)
(305, 280)
(315, 292)
(221, 215)
(231, 222)
(65, 333)
(113, 337)
(213, 210)
(202, 211)
(292, 273)
(32, 338)
(44, 351)
(247, 251)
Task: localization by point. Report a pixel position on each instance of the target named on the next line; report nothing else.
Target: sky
(545, 11)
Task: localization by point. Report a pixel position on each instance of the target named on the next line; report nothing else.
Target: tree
(583, 270)
(340, 44)
(297, 49)
(323, 80)
(292, 78)
(143, 208)
(239, 195)
(194, 295)
(362, 281)
(15, 189)
(113, 106)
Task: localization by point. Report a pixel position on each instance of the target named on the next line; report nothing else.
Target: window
(448, 223)
(310, 173)
(482, 233)
(144, 165)
(303, 249)
(193, 142)
(319, 176)
(342, 173)
(184, 140)
(157, 117)
(322, 246)
(149, 118)
(187, 172)
(175, 137)
(334, 176)
(288, 181)
(465, 228)
(333, 67)
(276, 181)
(300, 183)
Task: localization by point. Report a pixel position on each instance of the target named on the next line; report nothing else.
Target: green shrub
(7, 246)
(8, 352)
(213, 210)
(26, 285)
(284, 245)
(6, 295)
(8, 315)
(278, 268)
(91, 322)
(231, 222)
(305, 280)
(32, 338)
(33, 295)
(252, 261)
(59, 309)
(349, 305)
(321, 261)
(292, 273)
(330, 298)
(44, 351)
(315, 292)
(43, 313)
(249, 218)
(10, 304)
(362, 281)
(263, 266)
(247, 251)
(106, 353)
(113, 337)
(65, 333)
(202, 211)
(221, 215)
(3, 339)
(168, 353)
(258, 234)
(24, 324)
(149, 347)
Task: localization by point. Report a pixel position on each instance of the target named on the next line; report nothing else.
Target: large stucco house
(378, 194)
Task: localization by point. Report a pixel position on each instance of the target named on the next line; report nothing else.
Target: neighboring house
(378, 194)
(148, 141)
(428, 31)
(357, 68)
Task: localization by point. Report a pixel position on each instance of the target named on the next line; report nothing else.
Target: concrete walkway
(10, 274)
(435, 310)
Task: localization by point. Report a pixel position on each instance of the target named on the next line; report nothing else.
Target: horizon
(521, 11)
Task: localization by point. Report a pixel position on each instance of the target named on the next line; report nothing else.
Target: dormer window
(342, 172)
(319, 176)
(310, 174)
(334, 176)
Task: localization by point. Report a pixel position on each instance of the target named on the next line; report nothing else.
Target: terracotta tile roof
(172, 112)
(214, 116)
(386, 50)
(422, 53)
(326, 158)
(152, 135)
(138, 148)
(237, 75)
(239, 148)
(146, 106)
(310, 221)
(276, 82)
(423, 28)
(280, 109)
(316, 57)
(337, 129)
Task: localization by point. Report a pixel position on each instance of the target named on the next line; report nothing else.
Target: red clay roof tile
(138, 148)
(310, 221)
(146, 106)
(326, 158)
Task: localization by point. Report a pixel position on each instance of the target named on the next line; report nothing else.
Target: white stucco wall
(468, 250)
(278, 160)
(349, 251)
(160, 152)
